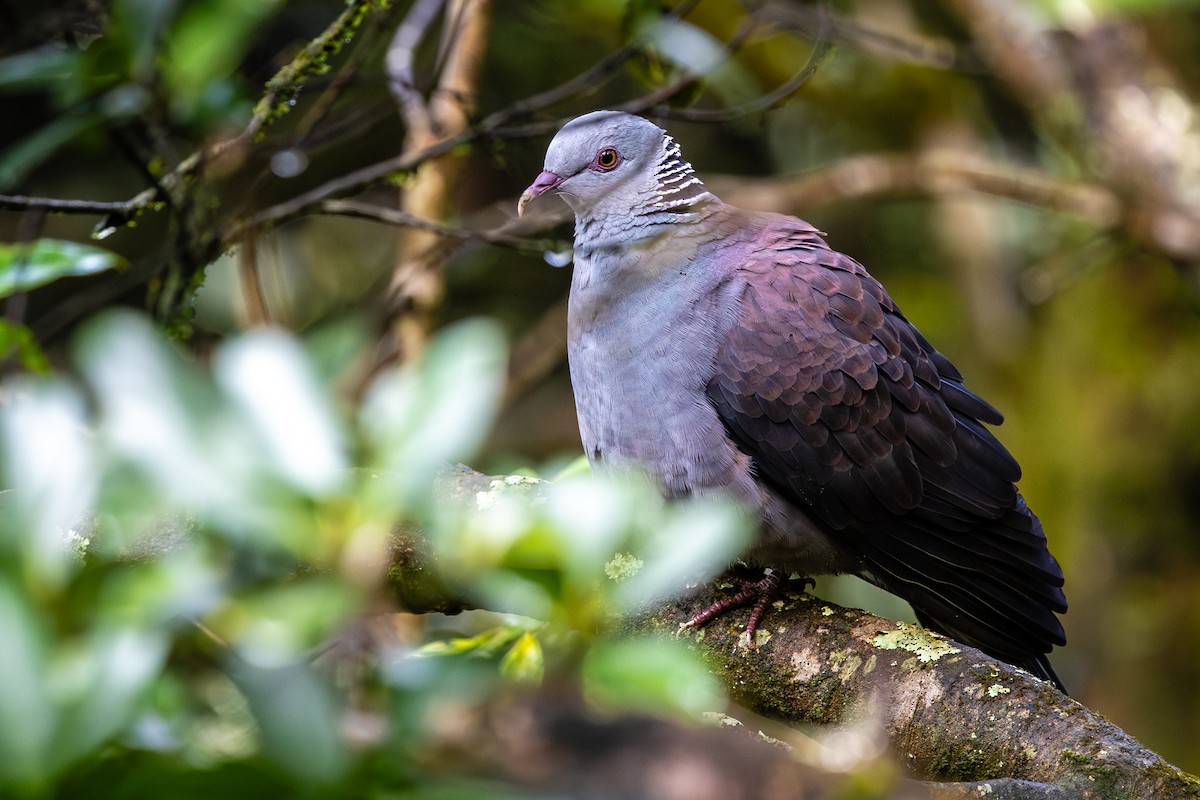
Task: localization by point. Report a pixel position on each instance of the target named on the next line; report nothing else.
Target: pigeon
(732, 352)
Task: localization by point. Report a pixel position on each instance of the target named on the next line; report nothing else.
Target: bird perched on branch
(730, 351)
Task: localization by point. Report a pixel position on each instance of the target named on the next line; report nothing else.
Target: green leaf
(578, 466)
(27, 719)
(18, 340)
(267, 375)
(208, 41)
(298, 715)
(174, 589)
(524, 660)
(100, 684)
(159, 413)
(28, 266)
(484, 644)
(425, 415)
(280, 624)
(693, 540)
(650, 674)
(47, 459)
(38, 68)
(143, 23)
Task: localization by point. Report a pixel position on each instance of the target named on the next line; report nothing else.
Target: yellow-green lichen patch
(780, 743)
(78, 544)
(845, 663)
(720, 719)
(622, 567)
(517, 480)
(995, 690)
(927, 646)
(488, 498)
(826, 611)
(743, 642)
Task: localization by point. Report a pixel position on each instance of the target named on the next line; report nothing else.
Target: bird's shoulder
(825, 383)
(809, 316)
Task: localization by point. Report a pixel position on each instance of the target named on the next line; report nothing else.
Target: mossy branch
(950, 712)
(285, 84)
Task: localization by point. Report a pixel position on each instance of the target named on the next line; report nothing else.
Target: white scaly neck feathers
(678, 189)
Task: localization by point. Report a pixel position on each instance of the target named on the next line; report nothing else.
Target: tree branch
(416, 285)
(497, 236)
(932, 172)
(951, 712)
(52, 205)
(285, 84)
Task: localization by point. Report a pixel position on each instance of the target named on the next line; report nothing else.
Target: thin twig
(352, 181)
(937, 171)
(50, 205)
(254, 300)
(765, 102)
(842, 30)
(538, 352)
(401, 56)
(287, 82)
(392, 216)
(586, 81)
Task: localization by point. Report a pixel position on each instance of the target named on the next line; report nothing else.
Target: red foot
(762, 592)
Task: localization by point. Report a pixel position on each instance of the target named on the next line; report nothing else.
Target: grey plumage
(734, 352)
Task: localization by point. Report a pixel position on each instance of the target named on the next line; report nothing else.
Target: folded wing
(851, 415)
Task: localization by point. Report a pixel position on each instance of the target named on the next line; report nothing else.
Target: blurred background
(1023, 176)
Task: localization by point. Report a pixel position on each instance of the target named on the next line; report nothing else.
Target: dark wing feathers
(848, 412)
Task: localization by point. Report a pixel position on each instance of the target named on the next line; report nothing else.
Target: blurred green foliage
(180, 543)
(193, 47)
(26, 267)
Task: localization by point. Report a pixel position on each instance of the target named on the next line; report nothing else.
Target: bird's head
(611, 162)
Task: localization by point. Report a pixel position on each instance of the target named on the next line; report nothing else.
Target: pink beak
(545, 182)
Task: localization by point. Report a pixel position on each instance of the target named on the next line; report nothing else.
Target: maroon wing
(849, 413)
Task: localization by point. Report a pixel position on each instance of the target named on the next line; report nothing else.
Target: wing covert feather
(849, 413)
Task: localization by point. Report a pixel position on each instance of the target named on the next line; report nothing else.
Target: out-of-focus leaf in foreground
(26, 267)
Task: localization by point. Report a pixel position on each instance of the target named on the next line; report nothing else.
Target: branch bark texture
(950, 712)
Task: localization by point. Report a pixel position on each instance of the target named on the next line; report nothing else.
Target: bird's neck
(637, 227)
(673, 197)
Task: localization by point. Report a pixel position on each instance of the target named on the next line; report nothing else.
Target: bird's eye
(607, 158)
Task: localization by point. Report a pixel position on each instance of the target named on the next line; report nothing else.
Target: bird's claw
(760, 592)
